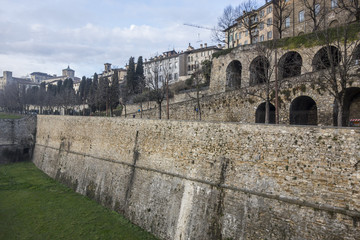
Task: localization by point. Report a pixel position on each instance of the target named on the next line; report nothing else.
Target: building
(174, 66)
(285, 18)
(252, 27)
(8, 79)
(195, 57)
(109, 72)
(170, 66)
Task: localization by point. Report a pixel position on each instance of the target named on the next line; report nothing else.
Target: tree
(352, 7)
(334, 64)
(222, 32)
(197, 82)
(262, 69)
(315, 12)
(103, 94)
(114, 92)
(131, 81)
(157, 85)
(282, 11)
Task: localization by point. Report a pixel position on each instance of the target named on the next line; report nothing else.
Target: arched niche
(290, 65)
(261, 113)
(351, 107)
(303, 111)
(233, 75)
(325, 57)
(259, 71)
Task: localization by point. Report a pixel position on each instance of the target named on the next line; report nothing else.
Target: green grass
(33, 206)
(9, 116)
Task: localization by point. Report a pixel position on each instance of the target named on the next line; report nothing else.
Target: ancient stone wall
(203, 180)
(17, 139)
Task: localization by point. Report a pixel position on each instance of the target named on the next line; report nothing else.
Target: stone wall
(204, 180)
(17, 139)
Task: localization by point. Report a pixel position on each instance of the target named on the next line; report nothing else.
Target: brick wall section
(204, 180)
(17, 139)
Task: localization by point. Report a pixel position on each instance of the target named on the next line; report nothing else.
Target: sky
(47, 36)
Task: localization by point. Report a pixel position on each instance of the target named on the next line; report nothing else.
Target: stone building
(292, 17)
(109, 72)
(170, 66)
(8, 79)
(178, 66)
(195, 57)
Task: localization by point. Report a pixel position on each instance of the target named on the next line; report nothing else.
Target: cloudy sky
(48, 35)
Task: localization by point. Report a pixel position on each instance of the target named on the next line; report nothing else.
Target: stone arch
(301, 33)
(260, 113)
(356, 54)
(233, 75)
(259, 70)
(351, 108)
(290, 65)
(334, 23)
(303, 111)
(325, 56)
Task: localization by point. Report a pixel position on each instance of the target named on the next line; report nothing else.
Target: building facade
(285, 18)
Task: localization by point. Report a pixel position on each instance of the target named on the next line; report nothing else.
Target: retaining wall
(204, 180)
(17, 139)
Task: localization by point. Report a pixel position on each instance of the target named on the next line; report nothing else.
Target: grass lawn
(34, 206)
(9, 116)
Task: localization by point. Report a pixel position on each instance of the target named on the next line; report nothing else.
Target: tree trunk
(167, 100)
(267, 111)
(125, 110)
(159, 110)
(141, 109)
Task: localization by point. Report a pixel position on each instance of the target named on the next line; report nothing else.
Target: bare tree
(262, 69)
(282, 11)
(350, 6)
(335, 65)
(248, 19)
(224, 28)
(316, 12)
(158, 84)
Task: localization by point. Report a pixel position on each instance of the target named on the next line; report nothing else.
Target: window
(189, 68)
(236, 36)
(160, 68)
(188, 59)
(261, 26)
(269, 21)
(175, 76)
(301, 16)
(175, 66)
(170, 65)
(170, 76)
(261, 13)
(269, 10)
(239, 35)
(317, 9)
(334, 3)
(262, 38)
(246, 33)
(246, 42)
(287, 22)
(269, 35)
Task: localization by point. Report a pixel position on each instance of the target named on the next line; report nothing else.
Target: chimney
(201, 46)
(205, 45)
(219, 45)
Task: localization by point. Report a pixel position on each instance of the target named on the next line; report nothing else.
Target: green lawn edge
(34, 206)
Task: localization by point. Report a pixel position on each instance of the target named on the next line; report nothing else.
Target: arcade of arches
(303, 110)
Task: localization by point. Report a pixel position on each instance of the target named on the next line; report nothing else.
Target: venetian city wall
(207, 180)
(17, 139)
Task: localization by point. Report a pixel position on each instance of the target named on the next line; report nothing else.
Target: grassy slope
(9, 116)
(33, 206)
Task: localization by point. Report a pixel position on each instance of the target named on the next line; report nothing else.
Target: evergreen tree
(131, 81)
(140, 78)
(114, 92)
